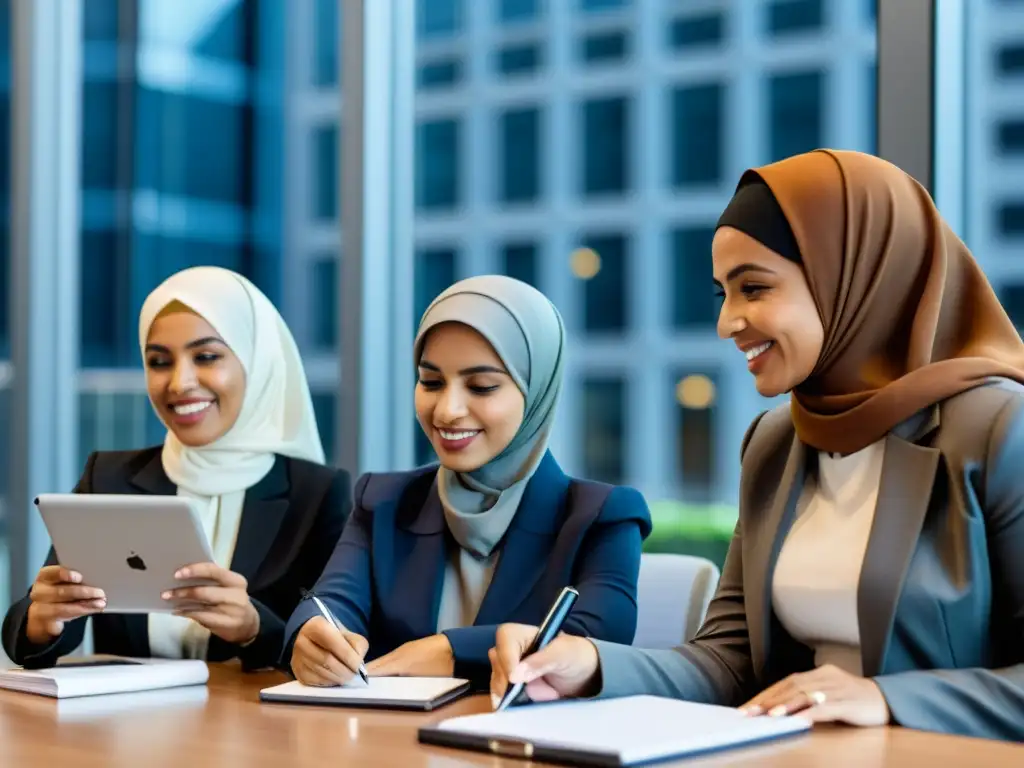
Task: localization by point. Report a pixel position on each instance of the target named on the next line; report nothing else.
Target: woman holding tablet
(224, 375)
(432, 560)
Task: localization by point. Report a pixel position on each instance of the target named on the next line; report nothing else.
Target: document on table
(103, 675)
(611, 732)
(418, 693)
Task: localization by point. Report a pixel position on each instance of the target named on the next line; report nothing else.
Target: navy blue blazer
(384, 579)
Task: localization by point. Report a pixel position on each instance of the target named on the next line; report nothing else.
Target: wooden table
(224, 725)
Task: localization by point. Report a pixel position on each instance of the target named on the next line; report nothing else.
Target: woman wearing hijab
(876, 574)
(224, 375)
(434, 559)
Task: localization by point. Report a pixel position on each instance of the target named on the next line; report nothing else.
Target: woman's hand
(825, 694)
(57, 596)
(427, 657)
(323, 656)
(223, 608)
(565, 668)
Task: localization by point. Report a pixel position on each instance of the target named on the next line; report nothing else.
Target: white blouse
(814, 588)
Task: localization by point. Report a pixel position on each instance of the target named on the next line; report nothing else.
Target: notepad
(417, 693)
(94, 677)
(612, 732)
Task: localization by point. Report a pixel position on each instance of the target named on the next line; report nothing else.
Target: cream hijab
(527, 333)
(276, 417)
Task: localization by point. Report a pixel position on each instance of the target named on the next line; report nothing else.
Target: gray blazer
(941, 594)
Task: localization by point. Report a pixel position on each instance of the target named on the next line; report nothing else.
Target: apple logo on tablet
(135, 562)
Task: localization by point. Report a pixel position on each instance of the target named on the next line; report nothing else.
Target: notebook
(417, 693)
(614, 732)
(103, 675)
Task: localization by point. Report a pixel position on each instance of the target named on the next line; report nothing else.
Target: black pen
(548, 631)
(334, 623)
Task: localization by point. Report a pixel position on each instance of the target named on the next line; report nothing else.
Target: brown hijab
(909, 317)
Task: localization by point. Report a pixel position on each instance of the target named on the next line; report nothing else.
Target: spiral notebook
(614, 732)
(416, 693)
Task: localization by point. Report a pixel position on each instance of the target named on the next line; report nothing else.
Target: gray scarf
(527, 333)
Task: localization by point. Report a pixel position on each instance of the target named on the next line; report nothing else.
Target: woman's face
(466, 402)
(195, 381)
(768, 310)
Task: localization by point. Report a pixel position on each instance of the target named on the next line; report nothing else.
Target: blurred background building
(585, 146)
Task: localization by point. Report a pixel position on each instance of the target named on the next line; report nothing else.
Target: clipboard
(610, 733)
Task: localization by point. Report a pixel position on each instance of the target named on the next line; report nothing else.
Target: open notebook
(417, 693)
(102, 675)
(612, 732)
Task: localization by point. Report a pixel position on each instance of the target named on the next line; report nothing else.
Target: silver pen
(334, 623)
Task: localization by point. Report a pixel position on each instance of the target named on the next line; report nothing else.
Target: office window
(220, 30)
(192, 146)
(325, 173)
(604, 294)
(104, 315)
(792, 16)
(691, 32)
(1012, 299)
(871, 10)
(99, 21)
(323, 290)
(1010, 59)
(326, 34)
(101, 149)
(1011, 218)
(325, 410)
(113, 421)
(796, 121)
(597, 6)
(439, 74)
(1011, 137)
(604, 47)
(696, 132)
(435, 271)
(871, 107)
(437, 165)
(604, 429)
(519, 137)
(693, 294)
(606, 146)
(697, 435)
(439, 18)
(512, 11)
(517, 60)
(519, 260)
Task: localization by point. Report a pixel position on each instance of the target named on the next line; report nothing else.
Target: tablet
(129, 546)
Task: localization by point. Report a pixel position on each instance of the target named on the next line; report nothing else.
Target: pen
(334, 623)
(549, 629)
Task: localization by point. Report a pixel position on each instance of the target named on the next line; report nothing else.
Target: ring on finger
(817, 698)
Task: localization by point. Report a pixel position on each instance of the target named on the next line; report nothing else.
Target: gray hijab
(527, 333)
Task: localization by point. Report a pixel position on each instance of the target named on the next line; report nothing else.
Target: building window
(604, 427)
(796, 123)
(688, 33)
(604, 47)
(520, 162)
(435, 271)
(103, 309)
(325, 409)
(519, 260)
(871, 107)
(439, 18)
(697, 129)
(696, 448)
(323, 289)
(437, 165)
(439, 74)
(1011, 219)
(785, 17)
(597, 6)
(693, 296)
(1010, 59)
(518, 11)
(518, 60)
(101, 149)
(601, 266)
(325, 173)
(606, 146)
(99, 24)
(326, 34)
(1012, 299)
(1011, 137)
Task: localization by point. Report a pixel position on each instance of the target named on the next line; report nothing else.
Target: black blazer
(291, 520)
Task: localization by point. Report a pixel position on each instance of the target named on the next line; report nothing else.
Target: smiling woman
(224, 375)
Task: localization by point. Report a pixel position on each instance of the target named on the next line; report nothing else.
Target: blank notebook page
(634, 729)
(385, 688)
